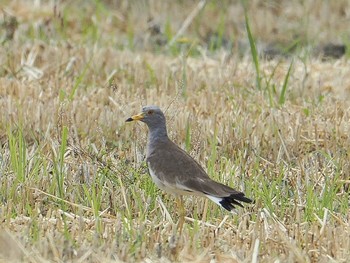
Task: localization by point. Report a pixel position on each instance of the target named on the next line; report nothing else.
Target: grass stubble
(74, 185)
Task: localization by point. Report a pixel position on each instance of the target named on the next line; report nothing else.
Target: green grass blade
(18, 157)
(60, 173)
(188, 135)
(253, 51)
(282, 97)
(80, 79)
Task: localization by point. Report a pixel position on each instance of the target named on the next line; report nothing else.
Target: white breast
(155, 178)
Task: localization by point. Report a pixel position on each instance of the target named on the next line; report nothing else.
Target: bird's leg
(175, 238)
(181, 209)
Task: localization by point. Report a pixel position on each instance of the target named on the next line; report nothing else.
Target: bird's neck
(157, 134)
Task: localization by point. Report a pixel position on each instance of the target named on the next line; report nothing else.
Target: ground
(260, 99)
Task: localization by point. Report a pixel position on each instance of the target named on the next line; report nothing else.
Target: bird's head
(151, 115)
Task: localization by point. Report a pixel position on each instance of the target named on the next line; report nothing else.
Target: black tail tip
(233, 200)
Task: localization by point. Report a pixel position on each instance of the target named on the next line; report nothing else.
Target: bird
(174, 171)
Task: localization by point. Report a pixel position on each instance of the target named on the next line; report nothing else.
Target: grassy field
(74, 186)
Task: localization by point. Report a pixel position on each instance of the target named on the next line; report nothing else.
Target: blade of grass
(282, 98)
(188, 136)
(187, 22)
(59, 171)
(17, 147)
(80, 78)
(270, 86)
(253, 51)
(184, 78)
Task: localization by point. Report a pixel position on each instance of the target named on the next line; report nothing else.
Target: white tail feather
(217, 201)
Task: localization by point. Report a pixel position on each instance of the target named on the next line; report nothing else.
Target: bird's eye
(150, 112)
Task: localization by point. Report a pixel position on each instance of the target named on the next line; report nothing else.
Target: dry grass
(73, 183)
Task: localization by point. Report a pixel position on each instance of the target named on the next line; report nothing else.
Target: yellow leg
(181, 209)
(174, 243)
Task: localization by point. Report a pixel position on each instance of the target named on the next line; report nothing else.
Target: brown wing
(209, 187)
(174, 165)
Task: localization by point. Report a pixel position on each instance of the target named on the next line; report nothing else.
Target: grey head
(155, 120)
